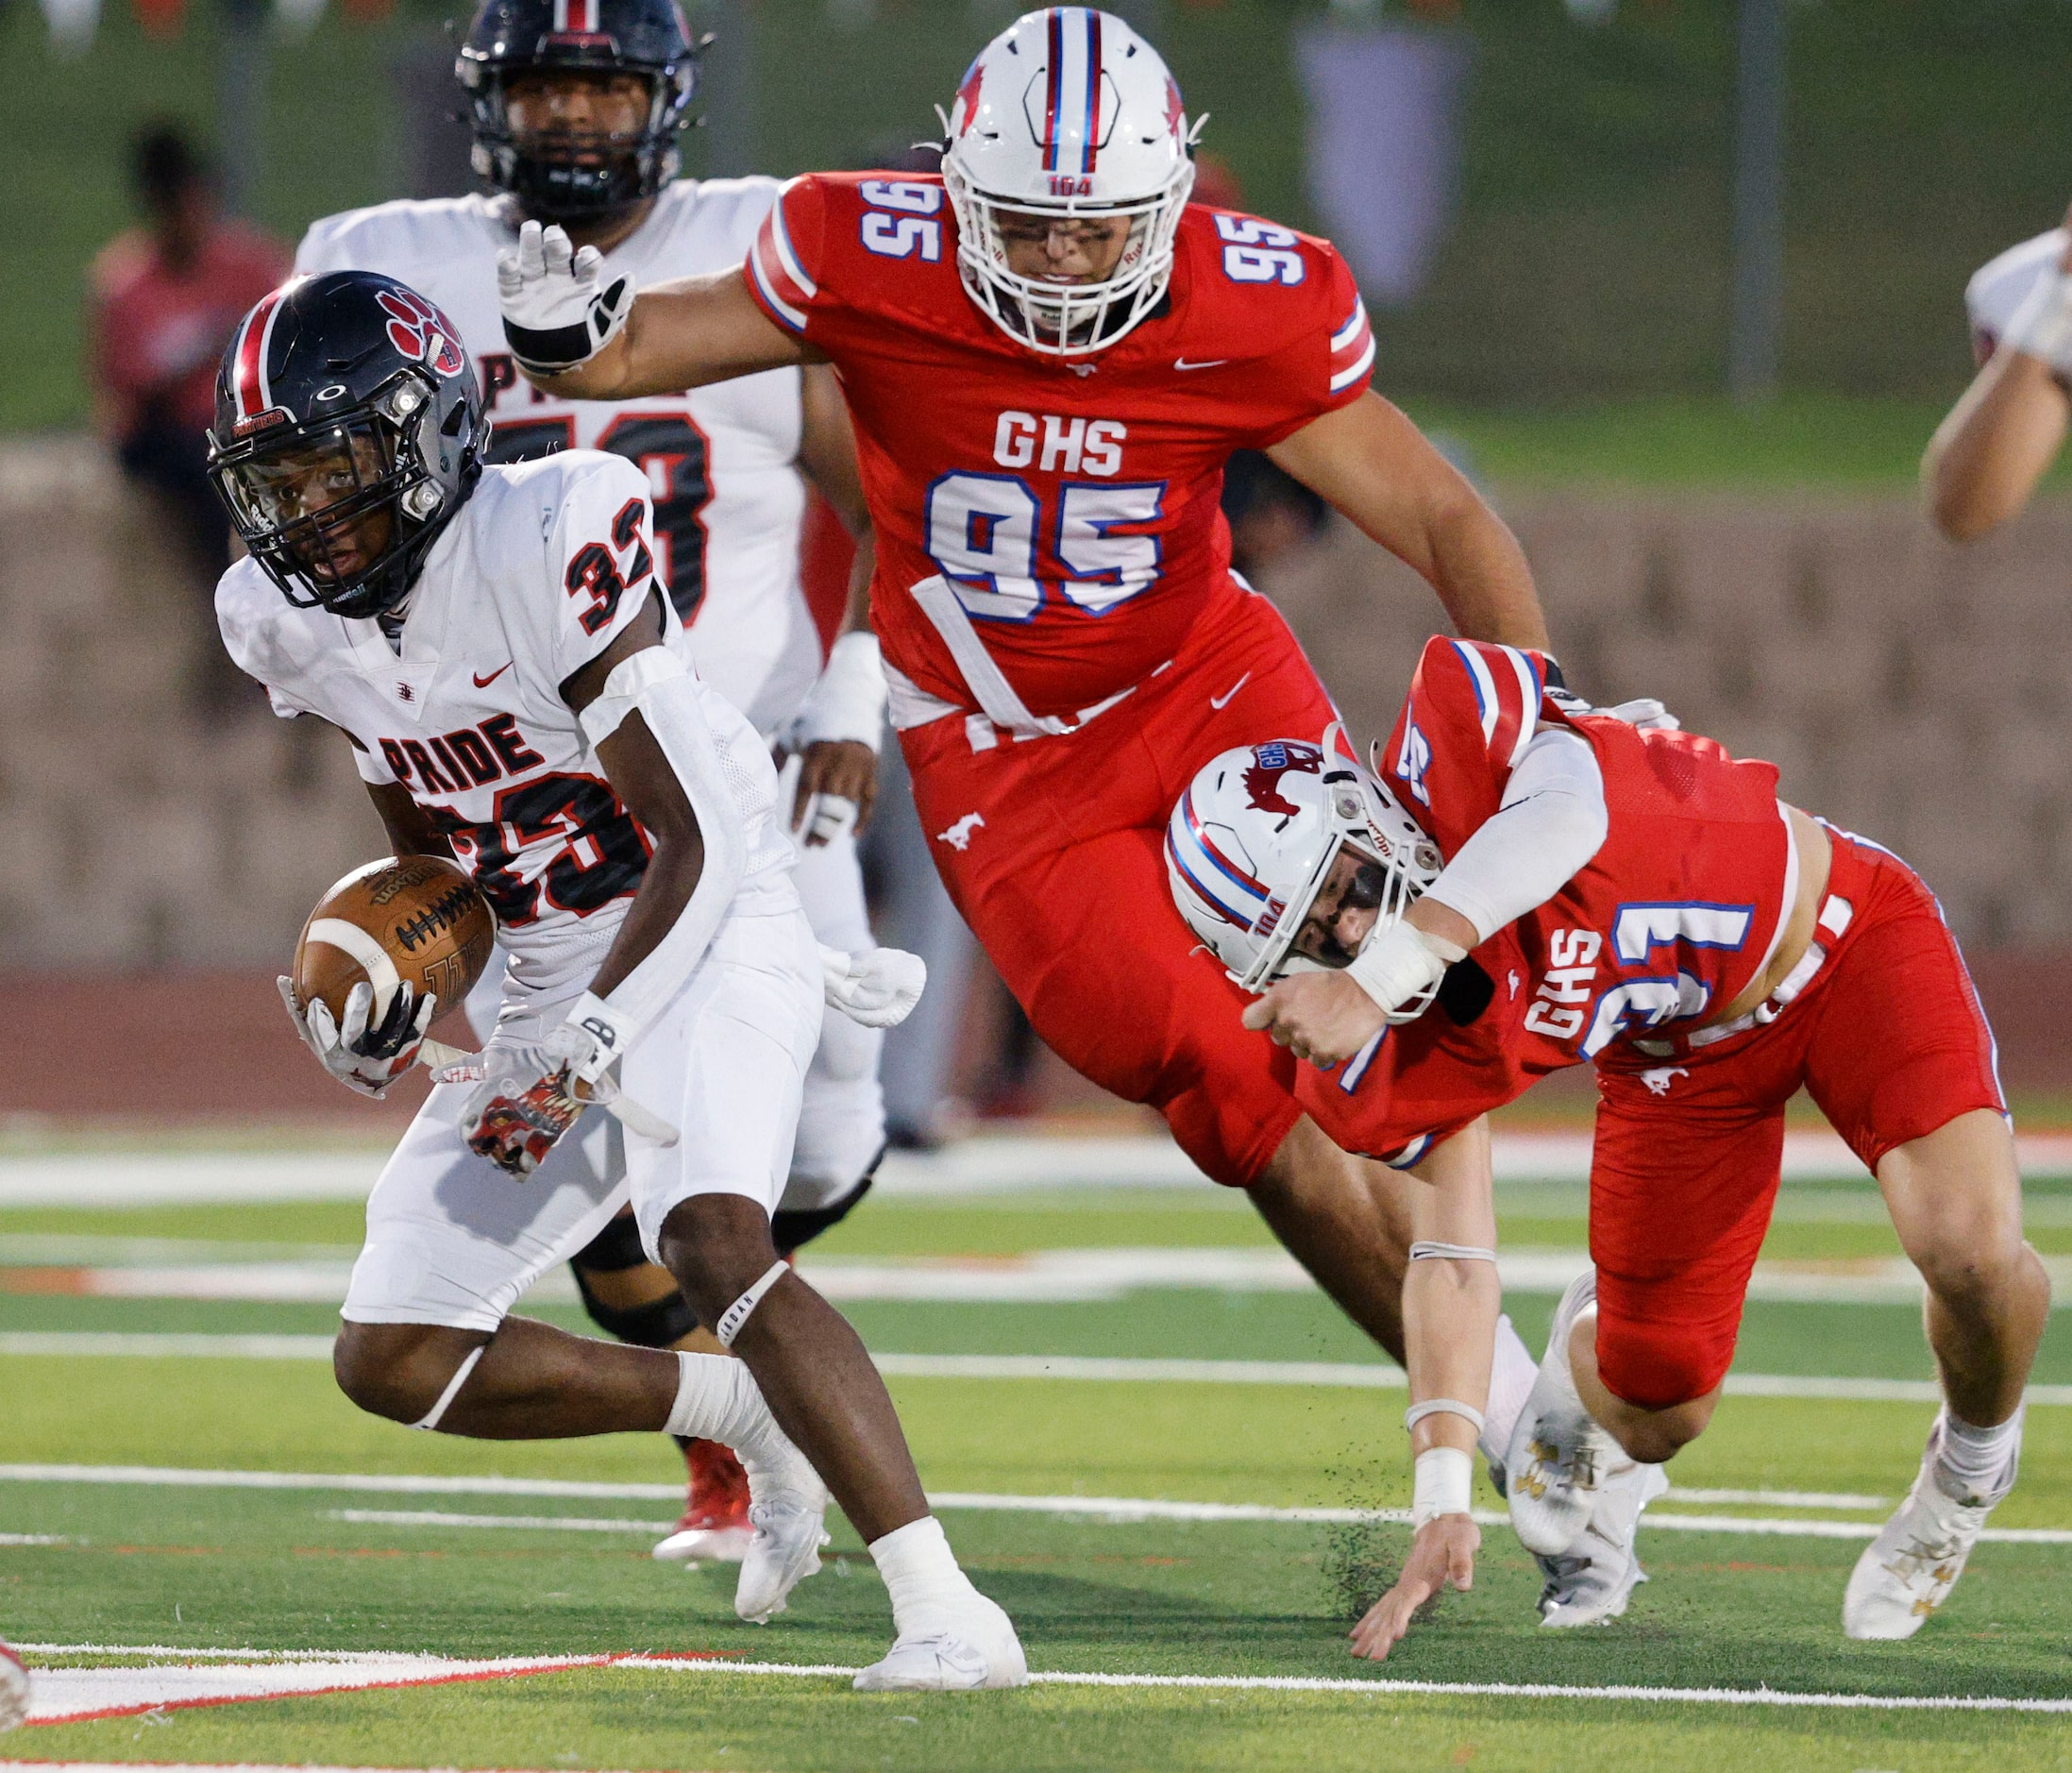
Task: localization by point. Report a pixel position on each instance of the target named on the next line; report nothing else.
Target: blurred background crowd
(1678, 282)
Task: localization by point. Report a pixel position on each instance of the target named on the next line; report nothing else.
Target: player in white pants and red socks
(575, 106)
(498, 643)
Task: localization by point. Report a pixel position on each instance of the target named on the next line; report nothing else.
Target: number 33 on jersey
(1070, 505)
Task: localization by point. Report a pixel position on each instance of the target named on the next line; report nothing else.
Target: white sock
(1976, 1464)
(1512, 1375)
(921, 1576)
(717, 1399)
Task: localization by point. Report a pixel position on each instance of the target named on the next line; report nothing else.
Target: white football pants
(453, 1239)
(841, 1124)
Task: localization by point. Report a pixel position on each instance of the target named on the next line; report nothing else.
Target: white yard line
(68, 1694)
(1046, 1277)
(976, 1167)
(1355, 1374)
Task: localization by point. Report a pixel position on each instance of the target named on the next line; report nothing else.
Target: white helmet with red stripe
(1262, 830)
(1068, 114)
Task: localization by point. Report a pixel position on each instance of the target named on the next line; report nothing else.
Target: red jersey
(1678, 911)
(1067, 508)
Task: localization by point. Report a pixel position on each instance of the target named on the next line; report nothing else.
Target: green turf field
(1746, 1604)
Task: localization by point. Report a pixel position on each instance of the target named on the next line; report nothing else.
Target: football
(419, 921)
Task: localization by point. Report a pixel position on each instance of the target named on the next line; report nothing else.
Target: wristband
(2041, 326)
(594, 1022)
(1443, 1484)
(1401, 968)
(847, 701)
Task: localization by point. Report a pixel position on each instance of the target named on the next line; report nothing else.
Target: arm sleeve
(656, 683)
(1329, 361)
(1352, 342)
(784, 268)
(1551, 821)
(600, 556)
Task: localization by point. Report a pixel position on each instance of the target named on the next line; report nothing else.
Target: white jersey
(538, 572)
(2000, 285)
(720, 462)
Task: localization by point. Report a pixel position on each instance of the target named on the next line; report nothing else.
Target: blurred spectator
(165, 298)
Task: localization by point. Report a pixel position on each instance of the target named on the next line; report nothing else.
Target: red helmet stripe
(254, 391)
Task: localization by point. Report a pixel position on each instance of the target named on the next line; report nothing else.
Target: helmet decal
(1263, 778)
(966, 109)
(254, 387)
(419, 329)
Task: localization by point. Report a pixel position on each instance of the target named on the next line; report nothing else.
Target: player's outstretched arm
(583, 335)
(2001, 437)
(1450, 1302)
(840, 727)
(1380, 471)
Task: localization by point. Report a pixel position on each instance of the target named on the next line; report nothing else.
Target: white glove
(363, 1059)
(526, 1096)
(1646, 713)
(1403, 964)
(2041, 326)
(877, 989)
(557, 313)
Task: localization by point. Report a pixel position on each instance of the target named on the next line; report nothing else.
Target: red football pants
(1889, 1040)
(1052, 850)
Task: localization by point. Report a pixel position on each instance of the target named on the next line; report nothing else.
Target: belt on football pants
(1835, 913)
(1002, 709)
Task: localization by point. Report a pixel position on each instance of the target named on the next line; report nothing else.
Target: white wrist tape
(654, 684)
(736, 1314)
(1424, 1250)
(1402, 964)
(1443, 1484)
(847, 701)
(2041, 326)
(1442, 1407)
(1553, 820)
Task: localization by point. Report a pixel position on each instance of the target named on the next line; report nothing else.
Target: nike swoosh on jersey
(1214, 362)
(1223, 701)
(484, 683)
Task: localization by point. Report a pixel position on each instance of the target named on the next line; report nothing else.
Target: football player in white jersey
(498, 643)
(1988, 456)
(575, 106)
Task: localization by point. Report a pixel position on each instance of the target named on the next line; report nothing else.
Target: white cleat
(1558, 1452)
(976, 1649)
(705, 1545)
(1907, 1571)
(1592, 1580)
(788, 1510)
(789, 1533)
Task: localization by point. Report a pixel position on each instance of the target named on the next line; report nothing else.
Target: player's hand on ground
(1441, 1555)
(363, 1058)
(1322, 1017)
(837, 787)
(558, 312)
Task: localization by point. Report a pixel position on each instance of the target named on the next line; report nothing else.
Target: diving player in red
(1047, 357)
(1640, 899)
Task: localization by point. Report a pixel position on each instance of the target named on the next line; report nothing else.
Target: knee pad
(613, 1250)
(659, 1324)
(790, 1227)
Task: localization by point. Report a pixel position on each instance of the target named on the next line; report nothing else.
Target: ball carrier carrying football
(497, 644)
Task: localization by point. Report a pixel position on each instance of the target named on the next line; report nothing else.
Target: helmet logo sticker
(419, 329)
(1263, 778)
